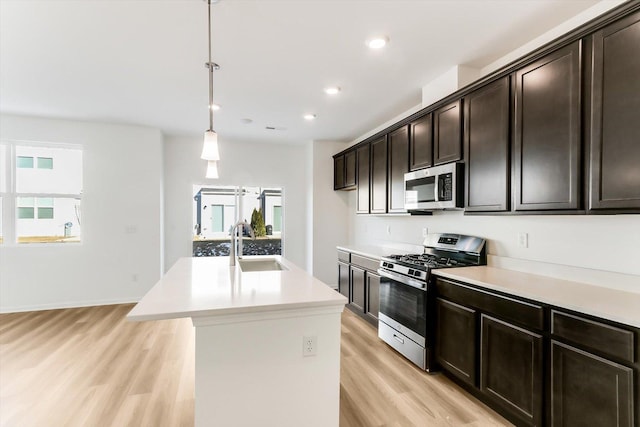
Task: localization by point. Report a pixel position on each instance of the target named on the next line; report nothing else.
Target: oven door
(403, 303)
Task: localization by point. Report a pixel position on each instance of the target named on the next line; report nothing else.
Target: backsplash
(587, 248)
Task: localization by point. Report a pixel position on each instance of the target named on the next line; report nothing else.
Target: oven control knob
(411, 272)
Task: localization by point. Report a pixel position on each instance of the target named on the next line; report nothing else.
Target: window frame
(9, 207)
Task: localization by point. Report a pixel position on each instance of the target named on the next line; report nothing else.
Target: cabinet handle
(400, 340)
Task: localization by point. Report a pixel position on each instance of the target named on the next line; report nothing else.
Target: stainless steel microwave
(439, 187)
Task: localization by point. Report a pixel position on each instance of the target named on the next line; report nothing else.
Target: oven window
(404, 304)
(421, 190)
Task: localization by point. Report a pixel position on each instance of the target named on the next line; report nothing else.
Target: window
(217, 218)
(26, 207)
(41, 204)
(45, 163)
(277, 219)
(217, 209)
(24, 162)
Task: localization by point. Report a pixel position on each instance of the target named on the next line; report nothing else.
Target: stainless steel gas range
(407, 302)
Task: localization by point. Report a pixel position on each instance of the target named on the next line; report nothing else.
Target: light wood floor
(90, 367)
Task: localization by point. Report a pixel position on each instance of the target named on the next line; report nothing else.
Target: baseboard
(75, 304)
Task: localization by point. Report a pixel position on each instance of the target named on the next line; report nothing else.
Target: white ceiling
(142, 61)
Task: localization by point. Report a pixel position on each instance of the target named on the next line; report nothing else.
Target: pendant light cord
(210, 65)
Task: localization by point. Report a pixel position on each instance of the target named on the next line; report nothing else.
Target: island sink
(247, 265)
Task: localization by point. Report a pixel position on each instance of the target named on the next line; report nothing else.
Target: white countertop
(378, 252)
(209, 286)
(606, 303)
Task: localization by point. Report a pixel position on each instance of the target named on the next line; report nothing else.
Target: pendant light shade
(210, 146)
(212, 169)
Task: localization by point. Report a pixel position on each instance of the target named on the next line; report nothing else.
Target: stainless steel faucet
(232, 251)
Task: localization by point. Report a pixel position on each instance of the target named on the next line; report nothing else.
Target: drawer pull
(400, 340)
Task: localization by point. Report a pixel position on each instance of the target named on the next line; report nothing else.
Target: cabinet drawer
(519, 312)
(412, 351)
(344, 256)
(364, 262)
(599, 337)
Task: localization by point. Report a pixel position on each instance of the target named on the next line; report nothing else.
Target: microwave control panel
(446, 185)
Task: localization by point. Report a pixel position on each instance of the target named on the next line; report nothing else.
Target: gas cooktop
(422, 261)
(443, 250)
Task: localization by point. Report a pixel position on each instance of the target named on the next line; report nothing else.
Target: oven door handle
(402, 279)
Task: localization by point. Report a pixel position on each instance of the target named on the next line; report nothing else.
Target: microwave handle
(436, 189)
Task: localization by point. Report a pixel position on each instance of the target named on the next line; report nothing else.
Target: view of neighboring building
(40, 193)
(217, 209)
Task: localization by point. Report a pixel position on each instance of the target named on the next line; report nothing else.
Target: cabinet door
(447, 133)
(398, 166)
(338, 172)
(373, 296)
(511, 370)
(615, 116)
(357, 288)
(379, 175)
(421, 143)
(547, 132)
(587, 390)
(362, 170)
(350, 169)
(487, 154)
(343, 278)
(456, 340)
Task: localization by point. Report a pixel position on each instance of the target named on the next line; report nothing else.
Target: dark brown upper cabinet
(447, 133)
(486, 144)
(615, 116)
(547, 132)
(378, 190)
(398, 166)
(421, 143)
(338, 172)
(363, 175)
(344, 171)
(350, 169)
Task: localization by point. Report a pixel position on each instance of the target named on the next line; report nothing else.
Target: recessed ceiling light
(333, 90)
(377, 42)
(215, 107)
(309, 116)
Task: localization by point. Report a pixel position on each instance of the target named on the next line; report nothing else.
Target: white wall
(578, 20)
(119, 258)
(247, 164)
(329, 212)
(598, 243)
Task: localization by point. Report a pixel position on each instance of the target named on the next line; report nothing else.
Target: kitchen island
(267, 341)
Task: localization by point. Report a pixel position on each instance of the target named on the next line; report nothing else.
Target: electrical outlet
(523, 240)
(309, 345)
(425, 231)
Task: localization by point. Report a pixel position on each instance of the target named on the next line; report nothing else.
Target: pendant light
(210, 146)
(212, 169)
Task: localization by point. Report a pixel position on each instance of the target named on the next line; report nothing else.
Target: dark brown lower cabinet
(357, 299)
(373, 296)
(343, 278)
(511, 369)
(456, 339)
(587, 390)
